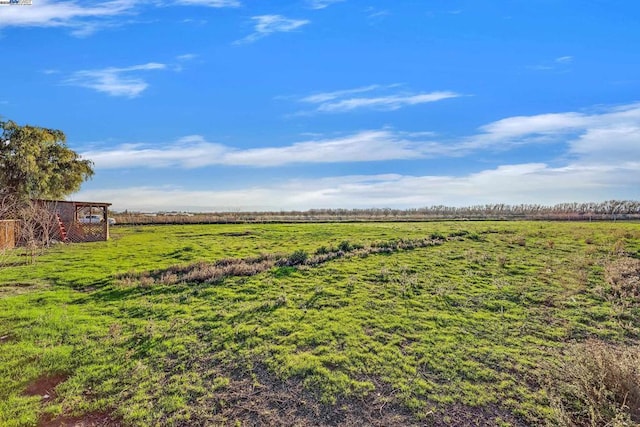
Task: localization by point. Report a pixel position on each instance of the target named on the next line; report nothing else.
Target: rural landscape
(320, 213)
(434, 323)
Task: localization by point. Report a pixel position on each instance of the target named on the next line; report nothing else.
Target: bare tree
(37, 227)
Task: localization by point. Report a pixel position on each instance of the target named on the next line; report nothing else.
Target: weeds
(623, 277)
(598, 384)
(203, 272)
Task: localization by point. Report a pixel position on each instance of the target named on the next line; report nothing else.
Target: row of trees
(609, 210)
(595, 209)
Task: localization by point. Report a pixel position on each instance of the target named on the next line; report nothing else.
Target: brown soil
(271, 402)
(45, 386)
(258, 398)
(94, 419)
(458, 414)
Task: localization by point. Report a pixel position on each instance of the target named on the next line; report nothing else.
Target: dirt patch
(265, 400)
(458, 414)
(45, 386)
(19, 289)
(260, 399)
(93, 419)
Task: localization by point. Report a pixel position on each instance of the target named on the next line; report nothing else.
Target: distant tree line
(597, 211)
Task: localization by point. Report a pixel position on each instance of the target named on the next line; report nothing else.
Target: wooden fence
(8, 232)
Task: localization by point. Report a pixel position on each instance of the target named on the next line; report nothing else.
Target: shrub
(437, 236)
(322, 250)
(598, 384)
(457, 233)
(475, 237)
(345, 246)
(298, 257)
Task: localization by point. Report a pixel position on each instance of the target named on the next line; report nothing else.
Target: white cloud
(186, 57)
(520, 183)
(375, 15)
(81, 17)
(269, 24)
(114, 81)
(542, 124)
(321, 4)
(361, 147)
(564, 59)
(393, 102)
(559, 64)
(86, 17)
(341, 101)
(320, 98)
(195, 151)
(612, 134)
(608, 144)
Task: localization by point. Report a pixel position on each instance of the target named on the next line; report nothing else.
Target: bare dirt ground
(262, 400)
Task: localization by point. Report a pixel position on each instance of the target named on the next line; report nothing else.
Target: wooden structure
(68, 224)
(8, 233)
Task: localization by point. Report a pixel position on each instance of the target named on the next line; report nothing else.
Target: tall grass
(598, 384)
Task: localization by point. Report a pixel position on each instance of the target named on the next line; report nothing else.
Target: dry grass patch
(623, 275)
(598, 384)
(213, 272)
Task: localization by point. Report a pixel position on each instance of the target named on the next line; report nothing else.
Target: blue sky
(296, 104)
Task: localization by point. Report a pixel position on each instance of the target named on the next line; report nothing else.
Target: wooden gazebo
(70, 224)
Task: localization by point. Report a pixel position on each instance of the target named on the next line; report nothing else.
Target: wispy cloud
(344, 101)
(81, 18)
(392, 102)
(86, 17)
(564, 60)
(376, 15)
(182, 60)
(266, 25)
(186, 57)
(559, 64)
(323, 97)
(195, 151)
(113, 81)
(321, 4)
(587, 138)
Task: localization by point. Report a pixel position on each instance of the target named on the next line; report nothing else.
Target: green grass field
(487, 326)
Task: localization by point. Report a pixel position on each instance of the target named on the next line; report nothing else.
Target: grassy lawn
(480, 328)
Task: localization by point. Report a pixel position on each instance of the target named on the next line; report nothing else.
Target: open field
(441, 323)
